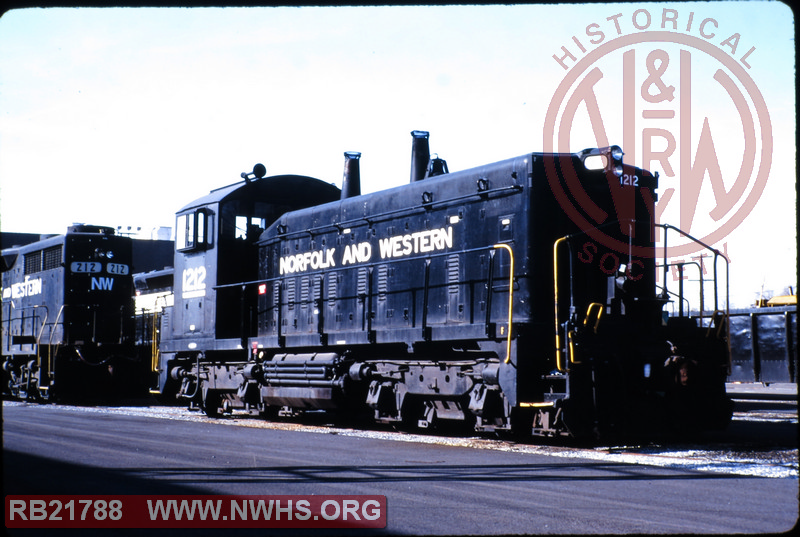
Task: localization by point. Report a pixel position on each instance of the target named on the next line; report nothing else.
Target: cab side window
(193, 231)
(249, 227)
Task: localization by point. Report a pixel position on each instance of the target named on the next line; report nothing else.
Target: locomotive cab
(214, 298)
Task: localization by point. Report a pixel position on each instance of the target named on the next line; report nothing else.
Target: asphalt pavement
(431, 489)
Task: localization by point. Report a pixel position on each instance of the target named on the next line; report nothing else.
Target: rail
(39, 337)
(593, 306)
(154, 333)
(725, 313)
(33, 339)
(150, 320)
(50, 353)
(717, 255)
(556, 244)
(565, 239)
(680, 295)
(510, 297)
(719, 313)
(154, 345)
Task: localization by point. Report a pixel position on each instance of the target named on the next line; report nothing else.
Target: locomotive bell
(437, 166)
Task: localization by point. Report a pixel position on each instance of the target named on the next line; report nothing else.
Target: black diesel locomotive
(466, 297)
(68, 316)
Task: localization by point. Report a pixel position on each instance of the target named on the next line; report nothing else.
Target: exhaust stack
(420, 155)
(351, 181)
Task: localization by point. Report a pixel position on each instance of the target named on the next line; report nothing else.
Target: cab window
(193, 231)
(249, 227)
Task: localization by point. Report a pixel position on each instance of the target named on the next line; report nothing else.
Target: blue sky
(121, 116)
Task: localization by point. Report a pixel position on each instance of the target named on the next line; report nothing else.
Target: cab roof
(281, 188)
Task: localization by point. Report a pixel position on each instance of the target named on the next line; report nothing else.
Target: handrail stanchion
(510, 298)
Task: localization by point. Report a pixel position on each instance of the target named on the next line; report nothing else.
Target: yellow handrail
(154, 340)
(722, 320)
(571, 344)
(589, 312)
(571, 334)
(154, 345)
(555, 301)
(510, 298)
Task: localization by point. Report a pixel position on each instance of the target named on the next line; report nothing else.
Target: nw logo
(103, 284)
